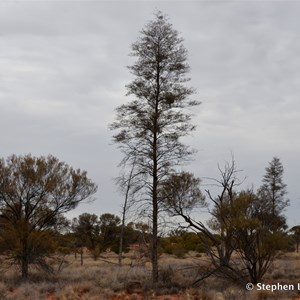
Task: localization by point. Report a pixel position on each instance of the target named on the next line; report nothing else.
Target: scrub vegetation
(105, 279)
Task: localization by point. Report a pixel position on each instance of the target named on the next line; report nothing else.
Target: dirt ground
(105, 280)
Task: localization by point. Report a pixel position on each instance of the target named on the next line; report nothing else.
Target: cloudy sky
(63, 72)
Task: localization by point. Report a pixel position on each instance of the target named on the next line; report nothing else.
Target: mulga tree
(34, 193)
(240, 224)
(151, 125)
(87, 232)
(109, 225)
(183, 195)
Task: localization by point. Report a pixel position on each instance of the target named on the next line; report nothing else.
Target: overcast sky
(63, 72)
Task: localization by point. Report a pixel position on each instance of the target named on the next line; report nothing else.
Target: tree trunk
(24, 267)
(24, 261)
(124, 213)
(154, 254)
(81, 256)
(154, 258)
(154, 245)
(121, 239)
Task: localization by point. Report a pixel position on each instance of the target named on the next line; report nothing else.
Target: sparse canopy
(273, 190)
(150, 126)
(272, 195)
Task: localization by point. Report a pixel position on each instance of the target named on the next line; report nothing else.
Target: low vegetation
(105, 279)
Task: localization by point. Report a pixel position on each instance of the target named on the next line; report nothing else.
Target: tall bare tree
(129, 185)
(219, 235)
(151, 125)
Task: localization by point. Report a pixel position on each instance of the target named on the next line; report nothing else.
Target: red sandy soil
(120, 296)
(127, 296)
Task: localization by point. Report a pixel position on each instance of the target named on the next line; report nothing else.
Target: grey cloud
(63, 71)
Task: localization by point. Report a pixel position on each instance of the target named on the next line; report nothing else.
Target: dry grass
(104, 279)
